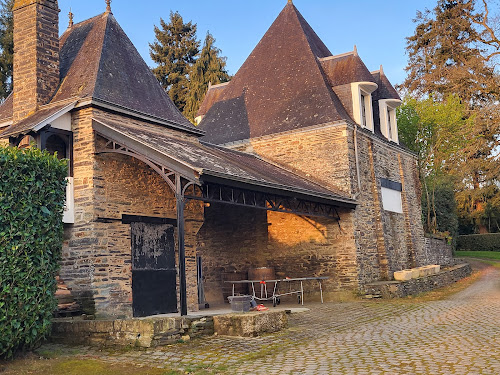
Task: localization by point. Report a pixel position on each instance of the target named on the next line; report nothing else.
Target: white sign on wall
(391, 200)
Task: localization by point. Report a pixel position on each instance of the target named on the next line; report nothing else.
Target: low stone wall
(250, 324)
(398, 289)
(436, 251)
(130, 332)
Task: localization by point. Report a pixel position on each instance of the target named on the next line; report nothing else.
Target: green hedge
(32, 193)
(479, 242)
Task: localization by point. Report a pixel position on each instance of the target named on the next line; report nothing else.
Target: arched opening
(56, 145)
(26, 142)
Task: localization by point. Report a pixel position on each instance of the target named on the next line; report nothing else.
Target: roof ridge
(333, 57)
(107, 16)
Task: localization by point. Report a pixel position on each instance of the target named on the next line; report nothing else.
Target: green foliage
(6, 47)
(445, 56)
(479, 242)
(437, 132)
(174, 51)
(210, 68)
(32, 193)
(450, 54)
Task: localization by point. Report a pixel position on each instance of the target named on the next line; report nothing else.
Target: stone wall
(97, 249)
(400, 289)
(234, 239)
(132, 333)
(36, 61)
(437, 251)
(334, 155)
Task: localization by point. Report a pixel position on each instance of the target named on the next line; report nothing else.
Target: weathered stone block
(250, 324)
(403, 275)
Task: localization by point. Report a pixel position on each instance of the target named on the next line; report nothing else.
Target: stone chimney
(36, 55)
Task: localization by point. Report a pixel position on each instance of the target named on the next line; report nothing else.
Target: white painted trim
(69, 204)
(54, 117)
(389, 106)
(358, 89)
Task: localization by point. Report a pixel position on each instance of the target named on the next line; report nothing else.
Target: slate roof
(290, 81)
(212, 96)
(6, 109)
(280, 87)
(345, 69)
(212, 160)
(98, 61)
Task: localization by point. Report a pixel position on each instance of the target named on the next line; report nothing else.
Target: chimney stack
(36, 55)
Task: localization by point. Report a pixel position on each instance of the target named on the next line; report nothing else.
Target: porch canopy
(209, 173)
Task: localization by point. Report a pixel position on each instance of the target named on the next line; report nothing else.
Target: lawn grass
(495, 255)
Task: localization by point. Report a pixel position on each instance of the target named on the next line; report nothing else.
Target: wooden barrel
(227, 288)
(261, 273)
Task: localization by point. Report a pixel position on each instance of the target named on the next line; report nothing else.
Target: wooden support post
(182, 254)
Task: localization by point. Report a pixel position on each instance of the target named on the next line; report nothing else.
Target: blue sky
(377, 27)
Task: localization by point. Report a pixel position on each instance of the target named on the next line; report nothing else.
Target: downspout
(356, 157)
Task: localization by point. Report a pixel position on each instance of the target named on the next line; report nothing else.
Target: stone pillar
(36, 55)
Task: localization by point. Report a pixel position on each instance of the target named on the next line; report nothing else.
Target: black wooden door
(153, 269)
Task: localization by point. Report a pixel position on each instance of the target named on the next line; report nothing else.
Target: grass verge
(494, 255)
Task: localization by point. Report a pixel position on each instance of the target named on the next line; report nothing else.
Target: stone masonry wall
(97, 251)
(36, 58)
(437, 251)
(387, 241)
(234, 239)
(384, 241)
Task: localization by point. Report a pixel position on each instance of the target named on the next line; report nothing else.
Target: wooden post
(182, 254)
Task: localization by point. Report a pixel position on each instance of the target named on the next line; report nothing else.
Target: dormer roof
(345, 69)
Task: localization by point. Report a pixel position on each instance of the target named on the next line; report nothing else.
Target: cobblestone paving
(459, 335)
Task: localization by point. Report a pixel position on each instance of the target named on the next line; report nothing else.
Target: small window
(363, 110)
(389, 123)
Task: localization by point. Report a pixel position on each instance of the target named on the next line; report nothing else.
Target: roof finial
(355, 50)
(290, 2)
(70, 16)
(381, 69)
(108, 6)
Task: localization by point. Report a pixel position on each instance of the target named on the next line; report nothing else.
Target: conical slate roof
(98, 61)
(280, 87)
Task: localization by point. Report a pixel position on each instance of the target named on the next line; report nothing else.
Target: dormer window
(362, 103)
(388, 122)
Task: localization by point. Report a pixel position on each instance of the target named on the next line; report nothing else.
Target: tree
(174, 51)
(448, 55)
(438, 132)
(210, 68)
(445, 59)
(6, 47)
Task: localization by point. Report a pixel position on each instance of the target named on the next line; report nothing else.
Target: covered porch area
(251, 214)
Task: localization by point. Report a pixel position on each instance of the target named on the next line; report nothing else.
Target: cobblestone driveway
(460, 335)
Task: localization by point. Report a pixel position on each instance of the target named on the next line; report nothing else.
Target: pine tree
(444, 57)
(6, 47)
(174, 51)
(210, 68)
(447, 55)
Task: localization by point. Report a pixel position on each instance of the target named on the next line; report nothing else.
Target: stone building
(295, 165)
